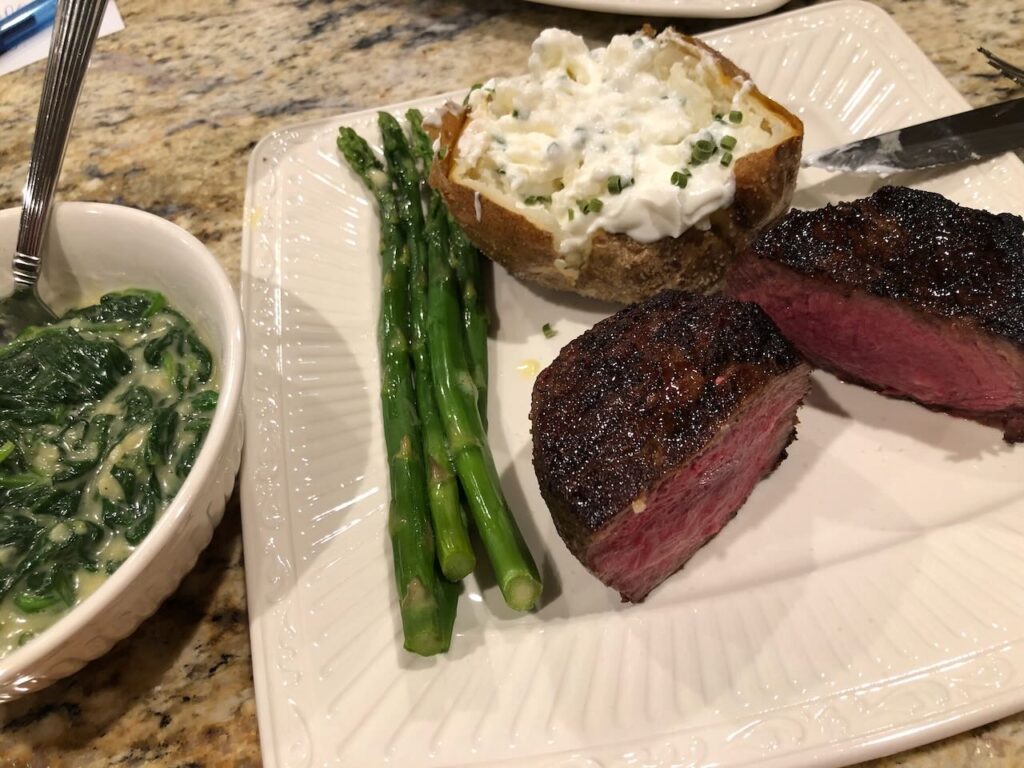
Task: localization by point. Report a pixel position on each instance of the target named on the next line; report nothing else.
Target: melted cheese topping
(617, 125)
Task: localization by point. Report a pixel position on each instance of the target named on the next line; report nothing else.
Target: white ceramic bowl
(91, 249)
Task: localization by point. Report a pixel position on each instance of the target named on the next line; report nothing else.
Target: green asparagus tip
(421, 144)
(359, 155)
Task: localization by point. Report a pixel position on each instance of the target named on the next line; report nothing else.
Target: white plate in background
(706, 9)
(867, 598)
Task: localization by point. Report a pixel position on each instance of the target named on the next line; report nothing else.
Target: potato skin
(619, 268)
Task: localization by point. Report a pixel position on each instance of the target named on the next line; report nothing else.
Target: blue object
(25, 22)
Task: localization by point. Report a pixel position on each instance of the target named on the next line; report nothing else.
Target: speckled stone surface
(173, 105)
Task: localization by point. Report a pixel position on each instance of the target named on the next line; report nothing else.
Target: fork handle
(74, 33)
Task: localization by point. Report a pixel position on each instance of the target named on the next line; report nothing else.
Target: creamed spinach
(102, 415)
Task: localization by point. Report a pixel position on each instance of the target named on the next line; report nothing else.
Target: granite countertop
(173, 106)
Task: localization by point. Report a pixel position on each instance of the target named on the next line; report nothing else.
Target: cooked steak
(652, 428)
(905, 292)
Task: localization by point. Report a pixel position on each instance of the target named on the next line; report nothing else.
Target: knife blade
(972, 135)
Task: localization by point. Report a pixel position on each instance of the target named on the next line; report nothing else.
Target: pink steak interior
(879, 342)
(646, 543)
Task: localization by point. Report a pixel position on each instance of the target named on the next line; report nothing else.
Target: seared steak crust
(914, 247)
(631, 399)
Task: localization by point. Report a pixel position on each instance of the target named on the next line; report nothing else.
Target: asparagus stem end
(458, 565)
(426, 623)
(521, 592)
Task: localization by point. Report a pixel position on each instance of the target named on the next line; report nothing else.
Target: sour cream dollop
(612, 138)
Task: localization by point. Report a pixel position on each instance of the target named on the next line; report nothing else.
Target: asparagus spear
(419, 141)
(454, 551)
(426, 600)
(513, 565)
(465, 260)
(458, 393)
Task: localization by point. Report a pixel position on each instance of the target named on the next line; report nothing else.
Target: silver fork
(1014, 73)
(74, 33)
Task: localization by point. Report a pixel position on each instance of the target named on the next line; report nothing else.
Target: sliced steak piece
(905, 292)
(652, 428)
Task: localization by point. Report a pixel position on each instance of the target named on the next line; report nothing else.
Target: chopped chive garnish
(515, 113)
(718, 116)
(726, 158)
(616, 184)
(537, 199)
(472, 88)
(571, 213)
(728, 142)
(549, 332)
(593, 205)
(735, 116)
(705, 146)
(679, 178)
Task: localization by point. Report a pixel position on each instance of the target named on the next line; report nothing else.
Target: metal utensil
(74, 33)
(971, 135)
(1014, 73)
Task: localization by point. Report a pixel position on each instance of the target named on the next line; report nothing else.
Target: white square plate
(867, 598)
(706, 9)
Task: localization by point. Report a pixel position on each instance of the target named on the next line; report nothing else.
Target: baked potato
(619, 171)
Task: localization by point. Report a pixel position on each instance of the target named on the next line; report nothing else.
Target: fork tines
(1014, 73)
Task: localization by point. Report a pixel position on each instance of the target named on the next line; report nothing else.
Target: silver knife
(972, 135)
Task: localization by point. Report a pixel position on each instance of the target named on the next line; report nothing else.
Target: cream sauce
(171, 384)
